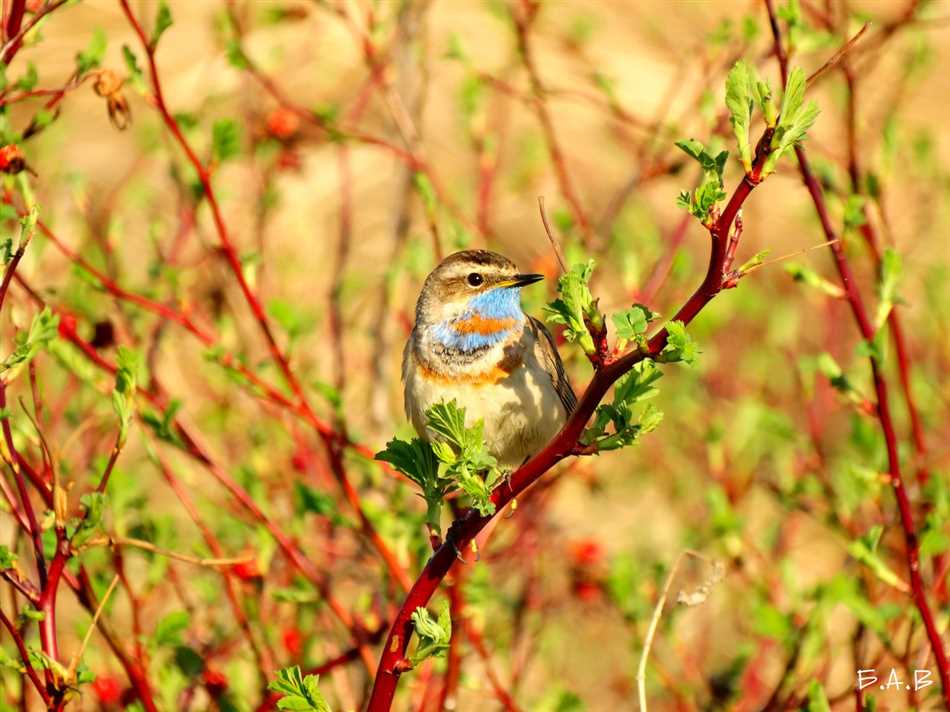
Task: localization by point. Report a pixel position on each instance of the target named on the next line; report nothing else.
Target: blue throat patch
(497, 303)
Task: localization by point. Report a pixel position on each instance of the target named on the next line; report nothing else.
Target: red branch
(466, 527)
(867, 331)
(328, 436)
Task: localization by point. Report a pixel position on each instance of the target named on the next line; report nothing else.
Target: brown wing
(546, 353)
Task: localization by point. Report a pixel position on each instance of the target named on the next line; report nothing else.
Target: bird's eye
(475, 279)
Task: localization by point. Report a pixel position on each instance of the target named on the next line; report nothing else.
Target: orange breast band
(497, 373)
(484, 326)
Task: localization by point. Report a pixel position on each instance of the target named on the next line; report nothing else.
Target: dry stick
(651, 631)
(74, 663)
(464, 529)
(233, 260)
(550, 233)
(867, 331)
(839, 55)
(148, 546)
(83, 589)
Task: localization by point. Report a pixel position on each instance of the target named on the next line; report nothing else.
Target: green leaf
(300, 694)
(864, 550)
(794, 95)
(164, 425)
(710, 190)
(293, 318)
(28, 81)
(755, 261)
(817, 701)
(136, 78)
(417, 461)
(7, 558)
(91, 522)
(448, 420)
(854, 215)
(739, 101)
(830, 369)
(464, 457)
(679, 345)
(631, 389)
(189, 661)
(434, 635)
(307, 499)
(123, 395)
(235, 55)
(169, 629)
(795, 119)
(225, 140)
(43, 330)
(426, 191)
(631, 324)
(807, 276)
(889, 277)
(163, 20)
(91, 57)
(575, 306)
(770, 622)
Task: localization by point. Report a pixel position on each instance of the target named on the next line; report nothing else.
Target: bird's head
(472, 300)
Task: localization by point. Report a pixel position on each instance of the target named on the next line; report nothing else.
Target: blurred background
(352, 144)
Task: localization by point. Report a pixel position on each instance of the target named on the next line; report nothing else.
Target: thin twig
(655, 621)
(74, 663)
(555, 245)
(839, 55)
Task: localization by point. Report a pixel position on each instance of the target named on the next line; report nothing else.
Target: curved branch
(465, 528)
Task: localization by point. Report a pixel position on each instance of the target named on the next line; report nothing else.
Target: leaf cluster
(300, 693)
(123, 394)
(434, 635)
(456, 458)
(621, 422)
(795, 119)
(43, 330)
(710, 191)
(576, 307)
(745, 91)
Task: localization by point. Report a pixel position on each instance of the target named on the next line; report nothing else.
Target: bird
(473, 343)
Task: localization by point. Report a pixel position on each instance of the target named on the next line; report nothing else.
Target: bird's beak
(522, 280)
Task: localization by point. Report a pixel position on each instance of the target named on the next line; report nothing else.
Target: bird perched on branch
(473, 343)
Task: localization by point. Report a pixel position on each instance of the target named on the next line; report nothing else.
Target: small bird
(473, 343)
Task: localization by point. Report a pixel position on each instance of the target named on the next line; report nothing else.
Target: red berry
(108, 689)
(67, 325)
(289, 160)
(282, 123)
(215, 681)
(247, 570)
(587, 591)
(293, 641)
(586, 552)
(299, 460)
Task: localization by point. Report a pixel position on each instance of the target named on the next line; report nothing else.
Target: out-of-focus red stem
(523, 24)
(867, 331)
(231, 256)
(24, 657)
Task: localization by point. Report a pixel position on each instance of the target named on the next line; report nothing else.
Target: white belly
(521, 413)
